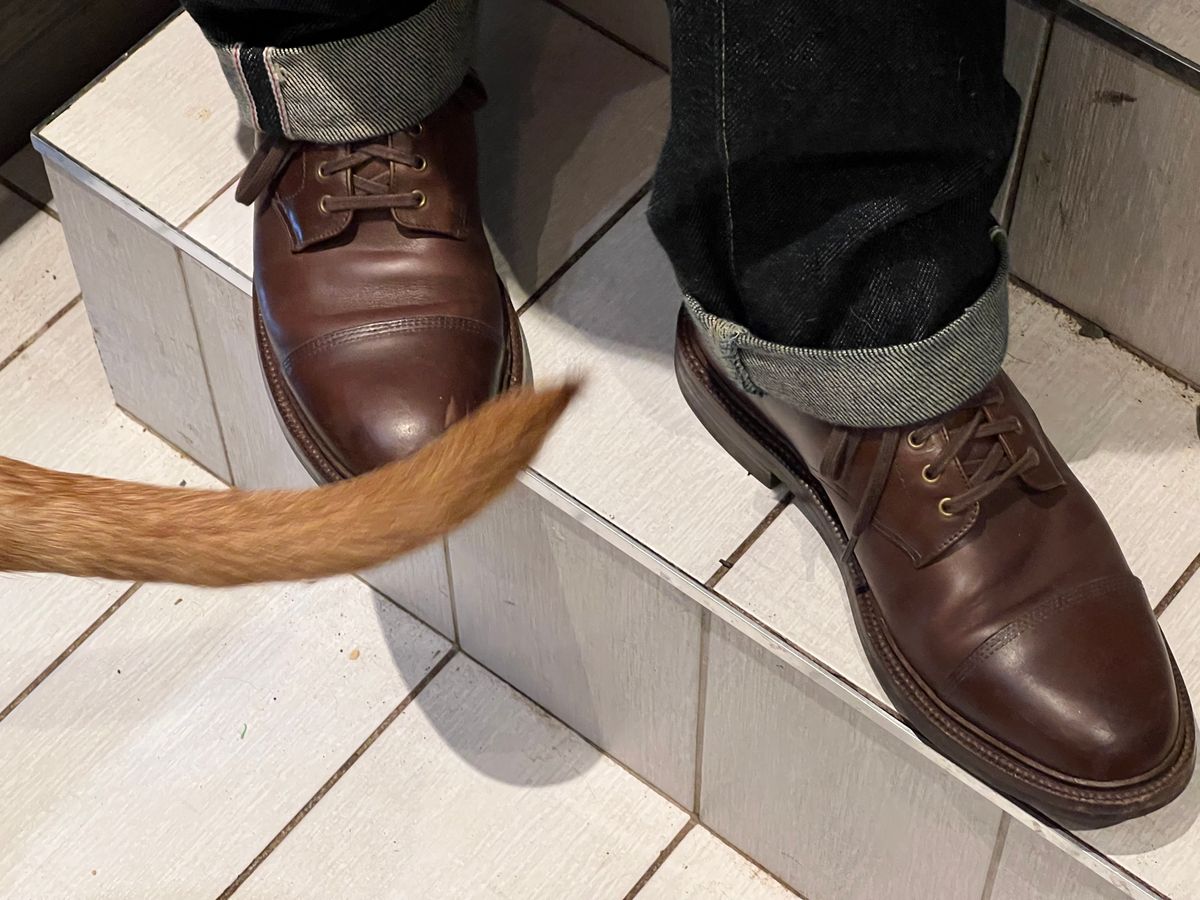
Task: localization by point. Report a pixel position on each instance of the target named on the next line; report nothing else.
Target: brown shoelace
(988, 475)
(367, 192)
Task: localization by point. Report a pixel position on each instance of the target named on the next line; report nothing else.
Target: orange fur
(80, 525)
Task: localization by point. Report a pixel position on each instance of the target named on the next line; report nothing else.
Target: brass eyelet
(421, 164)
(322, 172)
(942, 508)
(914, 443)
(930, 479)
(417, 130)
(421, 199)
(323, 204)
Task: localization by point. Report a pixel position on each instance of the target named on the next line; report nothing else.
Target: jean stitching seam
(274, 77)
(236, 56)
(725, 144)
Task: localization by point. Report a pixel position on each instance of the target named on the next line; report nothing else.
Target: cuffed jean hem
(883, 387)
(355, 88)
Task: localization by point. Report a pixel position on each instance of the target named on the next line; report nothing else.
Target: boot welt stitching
(325, 342)
(1044, 610)
(960, 734)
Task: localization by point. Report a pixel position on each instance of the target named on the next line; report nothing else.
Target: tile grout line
(49, 323)
(207, 203)
(141, 423)
(743, 548)
(612, 36)
(1120, 343)
(404, 609)
(637, 776)
(212, 395)
(750, 859)
(337, 776)
(587, 245)
(583, 737)
(660, 859)
(71, 648)
(989, 881)
(1174, 590)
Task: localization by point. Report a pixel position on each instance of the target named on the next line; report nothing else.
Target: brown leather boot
(990, 595)
(381, 320)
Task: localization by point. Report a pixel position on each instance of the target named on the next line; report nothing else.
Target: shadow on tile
(503, 757)
(1151, 832)
(15, 212)
(536, 214)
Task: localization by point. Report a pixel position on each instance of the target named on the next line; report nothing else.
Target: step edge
(711, 600)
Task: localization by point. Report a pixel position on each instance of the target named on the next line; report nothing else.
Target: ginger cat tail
(79, 525)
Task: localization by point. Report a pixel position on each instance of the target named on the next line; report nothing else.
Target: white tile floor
(165, 741)
(1129, 431)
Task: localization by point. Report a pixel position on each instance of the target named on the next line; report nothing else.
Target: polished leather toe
(385, 393)
(380, 315)
(1045, 687)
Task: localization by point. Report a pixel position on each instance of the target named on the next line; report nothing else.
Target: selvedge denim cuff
(359, 87)
(882, 387)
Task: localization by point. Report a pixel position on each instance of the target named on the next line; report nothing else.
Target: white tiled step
(582, 627)
(177, 741)
(628, 448)
(57, 411)
(570, 134)
(630, 451)
(178, 114)
(645, 25)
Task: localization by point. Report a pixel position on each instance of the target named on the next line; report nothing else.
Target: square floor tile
(473, 792)
(176, 742)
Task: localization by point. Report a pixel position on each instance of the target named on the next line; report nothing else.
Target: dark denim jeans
(823, 194)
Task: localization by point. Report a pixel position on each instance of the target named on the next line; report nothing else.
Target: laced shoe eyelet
(323, 204)
(942, 504)
(416, 130)
(928, 477)
(322, 172)
(914, 443)
(421, 164)
(421, 199)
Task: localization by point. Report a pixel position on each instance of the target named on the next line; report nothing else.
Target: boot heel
(725, 430)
